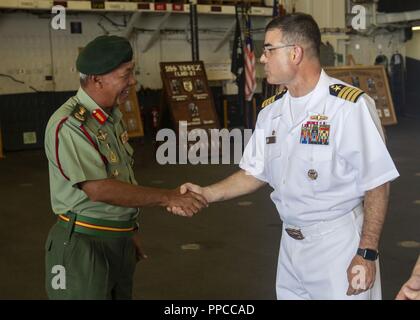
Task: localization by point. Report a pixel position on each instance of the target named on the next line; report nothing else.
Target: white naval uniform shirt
(355, 160)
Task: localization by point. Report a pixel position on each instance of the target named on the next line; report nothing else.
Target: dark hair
(298, 28)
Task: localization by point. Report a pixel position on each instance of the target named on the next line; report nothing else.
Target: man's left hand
(137, 245)
(361, 275)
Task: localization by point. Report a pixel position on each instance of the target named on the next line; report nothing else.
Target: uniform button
(284, 181)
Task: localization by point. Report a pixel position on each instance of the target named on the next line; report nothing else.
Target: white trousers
(316, 267)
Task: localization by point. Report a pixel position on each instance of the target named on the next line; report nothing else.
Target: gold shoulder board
(273, 98)
(346, 92)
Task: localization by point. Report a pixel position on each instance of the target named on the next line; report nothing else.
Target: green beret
(104, 54)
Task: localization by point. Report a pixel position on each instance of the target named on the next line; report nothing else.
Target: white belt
(323, 227)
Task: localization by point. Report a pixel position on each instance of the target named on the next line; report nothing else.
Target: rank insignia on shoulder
(99, 115)
(346, 92)
(80, 113)
(276, 97)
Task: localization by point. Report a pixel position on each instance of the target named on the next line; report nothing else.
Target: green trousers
(79, 266)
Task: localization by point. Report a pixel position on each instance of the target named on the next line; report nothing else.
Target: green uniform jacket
(83, 142)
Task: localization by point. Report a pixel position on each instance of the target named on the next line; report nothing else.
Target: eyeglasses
(267, 49)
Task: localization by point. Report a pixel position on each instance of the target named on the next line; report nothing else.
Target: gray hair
(83, 78)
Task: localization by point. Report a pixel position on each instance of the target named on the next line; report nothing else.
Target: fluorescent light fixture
(416, 28)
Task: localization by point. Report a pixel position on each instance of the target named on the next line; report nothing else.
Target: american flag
(275, 8)
(250, 78)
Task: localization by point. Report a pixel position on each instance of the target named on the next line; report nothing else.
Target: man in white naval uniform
(320, 146)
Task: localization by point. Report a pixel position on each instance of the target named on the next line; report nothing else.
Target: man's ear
(97, 81)
(297, 54)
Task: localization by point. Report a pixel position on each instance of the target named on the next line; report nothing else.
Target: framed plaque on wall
(131, 115)
(374, 82)
(188, 95)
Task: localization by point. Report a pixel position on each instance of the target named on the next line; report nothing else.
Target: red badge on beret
(99, 116)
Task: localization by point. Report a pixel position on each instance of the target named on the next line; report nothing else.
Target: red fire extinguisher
(155, 124)
(155, 118)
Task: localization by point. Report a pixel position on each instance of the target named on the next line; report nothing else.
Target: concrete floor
(238, 240)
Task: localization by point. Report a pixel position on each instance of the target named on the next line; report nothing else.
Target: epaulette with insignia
(274, 98)
(99, 116)
(346, 92)
(80, 113)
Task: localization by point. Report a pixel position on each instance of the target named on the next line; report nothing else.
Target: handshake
(188, 199)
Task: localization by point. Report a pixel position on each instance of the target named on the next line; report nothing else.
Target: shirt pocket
(312, 165)
(321, 162)
(118, 171)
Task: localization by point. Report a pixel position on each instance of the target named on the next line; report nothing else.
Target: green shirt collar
(87, 101)
(91, 105)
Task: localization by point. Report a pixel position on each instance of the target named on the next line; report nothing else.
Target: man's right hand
(187, 202)
(191, 188)
(238, 184)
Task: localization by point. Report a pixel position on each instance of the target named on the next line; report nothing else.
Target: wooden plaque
(188, 95)
(131, 115)
(372, 80)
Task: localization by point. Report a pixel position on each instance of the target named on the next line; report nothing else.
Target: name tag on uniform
(315, 132)
(271, 139)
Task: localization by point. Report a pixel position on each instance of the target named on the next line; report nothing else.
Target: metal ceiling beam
(384, 18)
(156, 34)
(226, 36)
(130, 26)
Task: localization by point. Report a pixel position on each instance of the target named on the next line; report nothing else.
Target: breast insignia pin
(312, 174)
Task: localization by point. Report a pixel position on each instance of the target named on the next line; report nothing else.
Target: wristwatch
(368, 254)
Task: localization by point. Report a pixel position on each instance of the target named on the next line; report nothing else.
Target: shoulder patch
(99, 116)
(273, 98)
(80, 113)
(346, 92)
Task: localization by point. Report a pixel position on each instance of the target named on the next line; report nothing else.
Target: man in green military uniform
(92, 250)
